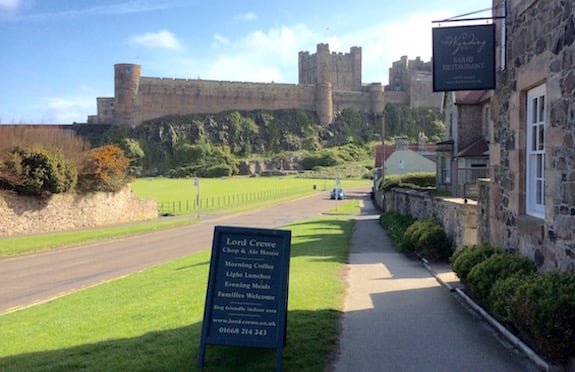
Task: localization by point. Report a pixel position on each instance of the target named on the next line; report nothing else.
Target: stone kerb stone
(29, 215)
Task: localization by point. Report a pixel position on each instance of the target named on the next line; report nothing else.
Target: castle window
(535, 172)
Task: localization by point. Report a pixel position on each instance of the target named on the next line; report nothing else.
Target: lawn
(151, 320)
(180, 196)
(175, 191)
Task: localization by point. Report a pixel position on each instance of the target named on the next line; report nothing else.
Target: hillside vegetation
(228, 143)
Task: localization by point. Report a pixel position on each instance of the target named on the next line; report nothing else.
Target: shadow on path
(397, 317)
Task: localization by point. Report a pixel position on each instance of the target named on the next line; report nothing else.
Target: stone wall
(30, 215)
(159, 97)
(458, 218)
(540, 50)
(344, 70)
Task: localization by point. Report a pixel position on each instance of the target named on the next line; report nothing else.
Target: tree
(104, 169)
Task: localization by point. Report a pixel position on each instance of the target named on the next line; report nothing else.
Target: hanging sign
(464, 58)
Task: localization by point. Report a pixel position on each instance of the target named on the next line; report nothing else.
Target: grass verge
(348, 208)
(34, 243)
(151, 320)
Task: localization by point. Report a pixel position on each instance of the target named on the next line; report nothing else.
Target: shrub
(497, 267)
(395, 224)
(543, 309)
(104, 169)
(428, 238)
(423, 180)
(217, 171)
(470, 255)
(39, 171)
(501, 297)
(434, 243)
(324, 158)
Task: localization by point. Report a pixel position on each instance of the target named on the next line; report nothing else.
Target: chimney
(401, 143)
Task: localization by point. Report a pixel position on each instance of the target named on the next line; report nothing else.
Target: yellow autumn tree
(105, 168)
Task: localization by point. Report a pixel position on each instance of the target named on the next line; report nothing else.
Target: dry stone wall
(30, 215)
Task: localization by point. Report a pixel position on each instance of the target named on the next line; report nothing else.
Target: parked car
(337, 193)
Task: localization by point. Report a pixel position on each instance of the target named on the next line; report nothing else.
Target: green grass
(151, 320)
(165, 189)
(34, 243)
(349, 208)
(180, 196)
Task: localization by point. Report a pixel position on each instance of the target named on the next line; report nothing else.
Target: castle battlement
(328, 82)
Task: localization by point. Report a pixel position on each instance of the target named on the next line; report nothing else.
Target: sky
(59, 55)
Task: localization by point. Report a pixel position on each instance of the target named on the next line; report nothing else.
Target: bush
(104, 169)
(501, 297)
(217, 171)
(40, 171)
(470, 255)
(324, 158)
(395, 224)
(497, 267)
(428, 238)
(423, 180)
(543, 309)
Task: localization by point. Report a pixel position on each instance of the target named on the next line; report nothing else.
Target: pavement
(403, 315)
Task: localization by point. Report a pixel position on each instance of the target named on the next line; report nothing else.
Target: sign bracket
(460, 19)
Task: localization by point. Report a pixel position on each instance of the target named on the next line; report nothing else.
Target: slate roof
(475, 149)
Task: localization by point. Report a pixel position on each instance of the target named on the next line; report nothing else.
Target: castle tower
(355, 53)
(126, 84)
(324, 87)
(376, 95)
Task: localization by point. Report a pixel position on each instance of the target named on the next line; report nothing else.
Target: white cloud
(261, 56)
(161, 39)
(383, 43)
(66, 110)
(249, 16)
(220, 40)
(266, 55)
(10, 4)
(272, 55)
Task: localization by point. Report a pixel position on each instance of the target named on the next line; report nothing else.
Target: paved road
(31, 279)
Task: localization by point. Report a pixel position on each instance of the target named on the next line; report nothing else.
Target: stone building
(410, 82)
(463, 155)
(405, 160)
(328, 82)
(528, 203)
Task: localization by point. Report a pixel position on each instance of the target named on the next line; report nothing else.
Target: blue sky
(58, 55)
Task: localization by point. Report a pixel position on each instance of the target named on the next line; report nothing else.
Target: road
(32, 279)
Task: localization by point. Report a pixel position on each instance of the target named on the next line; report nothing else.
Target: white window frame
(535, 152)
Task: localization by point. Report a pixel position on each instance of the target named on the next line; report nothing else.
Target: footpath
(400, 315)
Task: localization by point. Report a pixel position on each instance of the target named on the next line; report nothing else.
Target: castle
(328, 82)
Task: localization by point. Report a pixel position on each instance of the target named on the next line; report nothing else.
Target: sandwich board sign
(247, 293)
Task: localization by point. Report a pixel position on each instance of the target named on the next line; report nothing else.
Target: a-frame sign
(247, 294)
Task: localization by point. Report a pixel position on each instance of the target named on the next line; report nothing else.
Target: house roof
(408, 161)
(471, 97)
(475, 149)
(382, 153)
